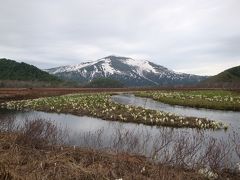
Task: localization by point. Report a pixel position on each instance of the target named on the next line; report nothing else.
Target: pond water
(231, 118)
(137, 138)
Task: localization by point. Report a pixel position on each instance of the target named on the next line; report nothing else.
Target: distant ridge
(130, 72)
(12, 70)
(15, 74)
(229, 77)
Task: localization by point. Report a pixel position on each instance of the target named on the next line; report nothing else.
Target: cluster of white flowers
(100, 105)
(192, 95)
(207, 173)
(225, 99)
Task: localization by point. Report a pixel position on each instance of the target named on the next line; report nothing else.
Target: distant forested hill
(15, 74)
(12, 70)
(229, 77)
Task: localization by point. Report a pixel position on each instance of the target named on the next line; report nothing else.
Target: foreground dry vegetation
(33, 152)
(36, 151)
(25, 162)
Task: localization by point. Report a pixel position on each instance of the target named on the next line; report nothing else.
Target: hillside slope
(12, 70)
(230, 76)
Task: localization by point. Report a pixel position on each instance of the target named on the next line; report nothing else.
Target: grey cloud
(184, 35)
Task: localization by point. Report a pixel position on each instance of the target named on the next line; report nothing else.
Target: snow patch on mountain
(108, 69)
(72, 68)
(140, 65)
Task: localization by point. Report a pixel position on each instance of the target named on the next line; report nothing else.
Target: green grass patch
(210, 99)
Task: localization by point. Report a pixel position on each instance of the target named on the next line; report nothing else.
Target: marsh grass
(210, 99)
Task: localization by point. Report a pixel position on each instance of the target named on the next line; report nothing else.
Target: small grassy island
(210, 99)
(99, 105)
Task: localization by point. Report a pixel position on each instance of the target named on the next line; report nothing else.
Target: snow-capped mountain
(129, 71)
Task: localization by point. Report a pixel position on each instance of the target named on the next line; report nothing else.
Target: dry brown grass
(32, 151)
(8, 94)
(24, 162)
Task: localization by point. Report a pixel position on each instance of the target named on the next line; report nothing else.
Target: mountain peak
(114, 57)
(130, 72)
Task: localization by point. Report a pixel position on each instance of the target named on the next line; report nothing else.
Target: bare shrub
(236, 142)
(7, 123)
(192, 151)
(92, 140)
(161, 145)
(39, 133)
(217, 154)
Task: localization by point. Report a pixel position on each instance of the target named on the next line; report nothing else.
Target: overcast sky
(193, 36)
